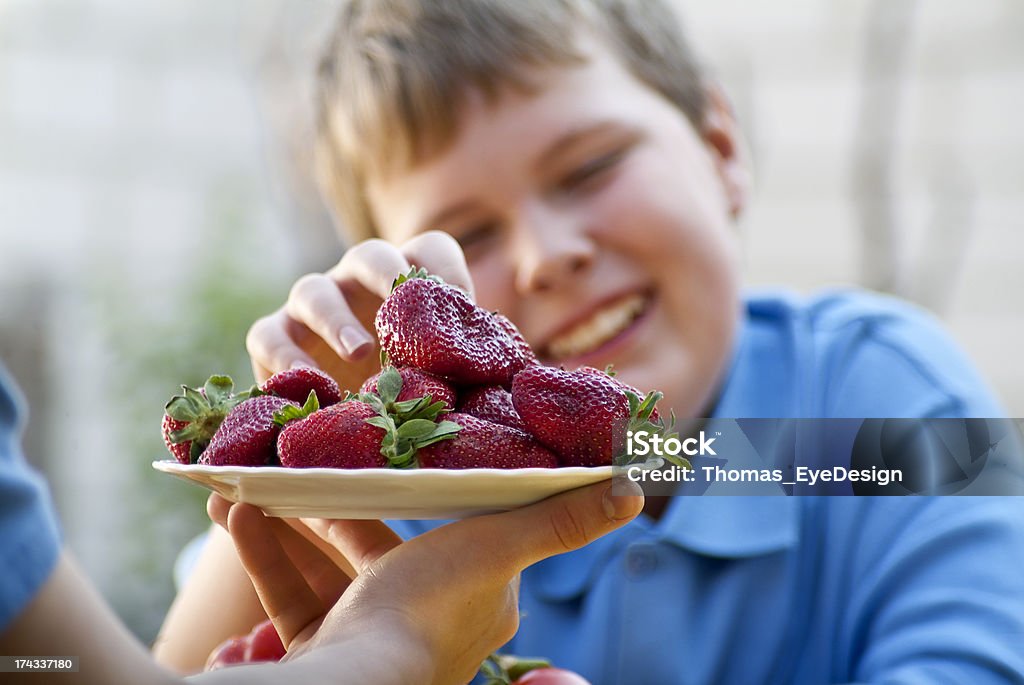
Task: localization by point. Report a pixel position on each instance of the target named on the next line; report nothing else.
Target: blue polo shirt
(29, 540)
(796, 590)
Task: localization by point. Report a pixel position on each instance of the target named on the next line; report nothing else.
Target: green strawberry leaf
(634, 402)
(181, 409)
(218, 389)
(312, 403)
(410, 406)
(384, 422)
(253, 391)
(389, 385)
(416, 428)
(195, 397)
(194, 452)
(291, 413)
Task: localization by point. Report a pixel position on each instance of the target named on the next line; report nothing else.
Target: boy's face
(597, 218)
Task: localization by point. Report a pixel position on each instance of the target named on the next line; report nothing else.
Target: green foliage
(158, 342)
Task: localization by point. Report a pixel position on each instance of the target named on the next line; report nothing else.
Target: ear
(728, 148)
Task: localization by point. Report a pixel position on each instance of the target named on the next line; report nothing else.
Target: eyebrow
(564, 142)
(446, 214)
(572, 137)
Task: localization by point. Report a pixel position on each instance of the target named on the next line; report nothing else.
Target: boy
(566, 162)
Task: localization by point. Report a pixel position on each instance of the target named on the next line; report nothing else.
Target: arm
(424, 611)
(68, 617)
(191, 630)
(942, 598)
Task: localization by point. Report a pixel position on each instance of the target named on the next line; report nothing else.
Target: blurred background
(155, 198)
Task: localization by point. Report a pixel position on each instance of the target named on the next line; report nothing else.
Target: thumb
(559, 524)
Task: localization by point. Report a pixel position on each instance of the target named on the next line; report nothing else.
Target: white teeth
(604, 325)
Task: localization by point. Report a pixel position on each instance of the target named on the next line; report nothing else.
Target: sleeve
(29, 537)
(941, 597)
(880, 357)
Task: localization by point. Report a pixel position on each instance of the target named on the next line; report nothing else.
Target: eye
(475, 238)
(591, 172)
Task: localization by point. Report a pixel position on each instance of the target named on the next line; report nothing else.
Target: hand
(445, 599)
(327, 320)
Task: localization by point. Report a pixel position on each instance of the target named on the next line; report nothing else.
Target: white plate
(384, 493)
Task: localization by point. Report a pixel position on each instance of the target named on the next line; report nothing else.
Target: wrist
(381, 650)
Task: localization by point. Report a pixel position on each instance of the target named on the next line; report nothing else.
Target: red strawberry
(435, 327)
(415, 384)
(294, 384)
(335, 437)
(264, 643)
(551, 676)
(248, 435)
(261, 644)
(354, 435)
(485, 445)
(582, 416)
(492, 403)
(180, 450)
(191, 419)
(505, 669)
(524, 347)
(231, 651)
(655, 417)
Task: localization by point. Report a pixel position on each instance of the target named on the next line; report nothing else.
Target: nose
(552, 247)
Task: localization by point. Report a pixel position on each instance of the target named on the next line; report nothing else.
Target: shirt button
(641, 560)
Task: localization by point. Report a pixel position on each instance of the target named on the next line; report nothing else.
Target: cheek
(491, 280)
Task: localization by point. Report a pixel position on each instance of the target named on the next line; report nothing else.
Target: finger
(374, 264)
(287, 598)
(270, 346)
(441, 255)
(559, 524)
(362, 542)
(318, 566)
(217, 508)
(316, 301)
(326, 549)
(260, 373)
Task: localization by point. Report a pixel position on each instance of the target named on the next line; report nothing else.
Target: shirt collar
(727, 527)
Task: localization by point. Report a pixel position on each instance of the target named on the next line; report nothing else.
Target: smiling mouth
(602, 326)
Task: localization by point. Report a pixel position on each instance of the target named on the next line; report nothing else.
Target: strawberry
(655, 417)
(231, 651)
(334, 437)
(482, 444)
(191, 419)
(264, 643)
(294, 384)
(551, 676)
(261, 644)
(363, 431)
(521, 345)
(435, 327)
(248, 434)
(505, 669)
(415, 384)
(581, 416)
(493, 403)
(181, 449)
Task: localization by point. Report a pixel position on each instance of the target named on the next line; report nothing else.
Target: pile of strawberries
(459, 388)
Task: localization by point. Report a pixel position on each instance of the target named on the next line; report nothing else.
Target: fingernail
(622, 504)
(353, 339)
(299, 364)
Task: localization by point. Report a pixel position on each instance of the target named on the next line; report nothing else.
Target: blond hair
(395, 71)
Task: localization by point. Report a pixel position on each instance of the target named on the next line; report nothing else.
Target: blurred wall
(154, 199)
